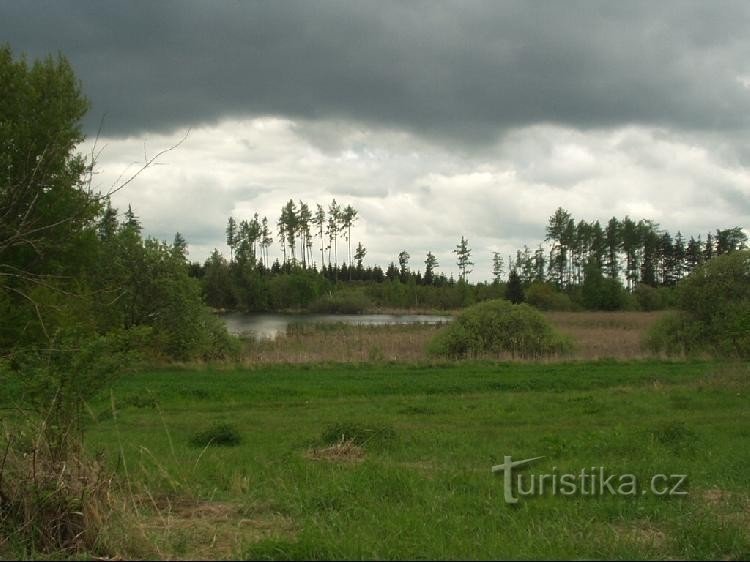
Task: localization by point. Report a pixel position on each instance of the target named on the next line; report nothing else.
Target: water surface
(268, 326)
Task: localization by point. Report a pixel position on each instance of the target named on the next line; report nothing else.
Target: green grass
(426, 491)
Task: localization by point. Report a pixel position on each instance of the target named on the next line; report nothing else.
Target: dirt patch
(345, 451)
(642, 533)
(727, 506)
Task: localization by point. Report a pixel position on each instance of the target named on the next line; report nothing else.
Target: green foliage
(650, 298)
(600, 293)
(218, 435)
(514, 290)
(498, 326)
(545, 296)
(350, 302)
(714, 311)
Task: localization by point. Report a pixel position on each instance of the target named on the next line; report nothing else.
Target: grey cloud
(449, 71)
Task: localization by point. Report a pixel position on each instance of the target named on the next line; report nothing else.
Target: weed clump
(497, 326)
(219, 435)
(358, 434)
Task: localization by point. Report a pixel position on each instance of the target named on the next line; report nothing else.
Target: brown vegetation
(596, 335)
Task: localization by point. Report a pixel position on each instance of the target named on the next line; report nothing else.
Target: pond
(268, 326)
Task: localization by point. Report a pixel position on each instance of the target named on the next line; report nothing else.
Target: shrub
(222, 435)
(497, 326)
(545, 296)
(714, 311)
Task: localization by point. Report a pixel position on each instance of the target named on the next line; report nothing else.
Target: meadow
(393, 460)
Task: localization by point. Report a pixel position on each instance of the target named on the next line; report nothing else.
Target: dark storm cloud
(461, 70)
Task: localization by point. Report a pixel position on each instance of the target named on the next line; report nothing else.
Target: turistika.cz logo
(591, 481)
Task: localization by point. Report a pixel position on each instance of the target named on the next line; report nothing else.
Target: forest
(627, 264)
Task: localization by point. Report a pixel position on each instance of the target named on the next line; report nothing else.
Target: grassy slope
(429, 491)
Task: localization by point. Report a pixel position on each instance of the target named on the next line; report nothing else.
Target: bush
(222, 435)
(650, 298)
(497, 326)
(545, 296)
(714, 311)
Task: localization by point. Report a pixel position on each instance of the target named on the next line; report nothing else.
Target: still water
(268, 326)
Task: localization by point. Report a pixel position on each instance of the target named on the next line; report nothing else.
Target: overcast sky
(433, 119)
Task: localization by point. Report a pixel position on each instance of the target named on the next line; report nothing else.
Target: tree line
(627, 253)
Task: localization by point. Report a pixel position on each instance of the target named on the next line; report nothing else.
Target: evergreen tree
(359, 255)
(319, 220)
(613, 241)
(514, 289)
(430, 264)
(403, 263)
(179, 247)
(231, 236)
(497, 267)
(348, 218)
(463, 253)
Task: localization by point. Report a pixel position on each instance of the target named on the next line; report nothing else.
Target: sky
(435, 120)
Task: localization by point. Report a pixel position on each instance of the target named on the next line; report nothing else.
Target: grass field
(411, 477)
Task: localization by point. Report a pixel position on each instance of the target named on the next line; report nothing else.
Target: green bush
(650, 298)
(497, 326)
(545, 296)
(714, 311)
(221, 435)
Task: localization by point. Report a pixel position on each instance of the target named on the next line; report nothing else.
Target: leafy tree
(714, 310)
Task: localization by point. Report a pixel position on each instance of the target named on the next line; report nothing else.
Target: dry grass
(345, 451)
(52, 499)
(185, 528)
(642, 533)
(596, 335)
(341, 343)
(600, 335)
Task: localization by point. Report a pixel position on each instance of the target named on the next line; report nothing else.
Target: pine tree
(179, 246)
(319, 220)
(131, 221)
(359, 255)
(403, 263)
(514, 289)
(231, 236)
(463, 253)
(348, 218)
(430, 264)
(497, 267)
